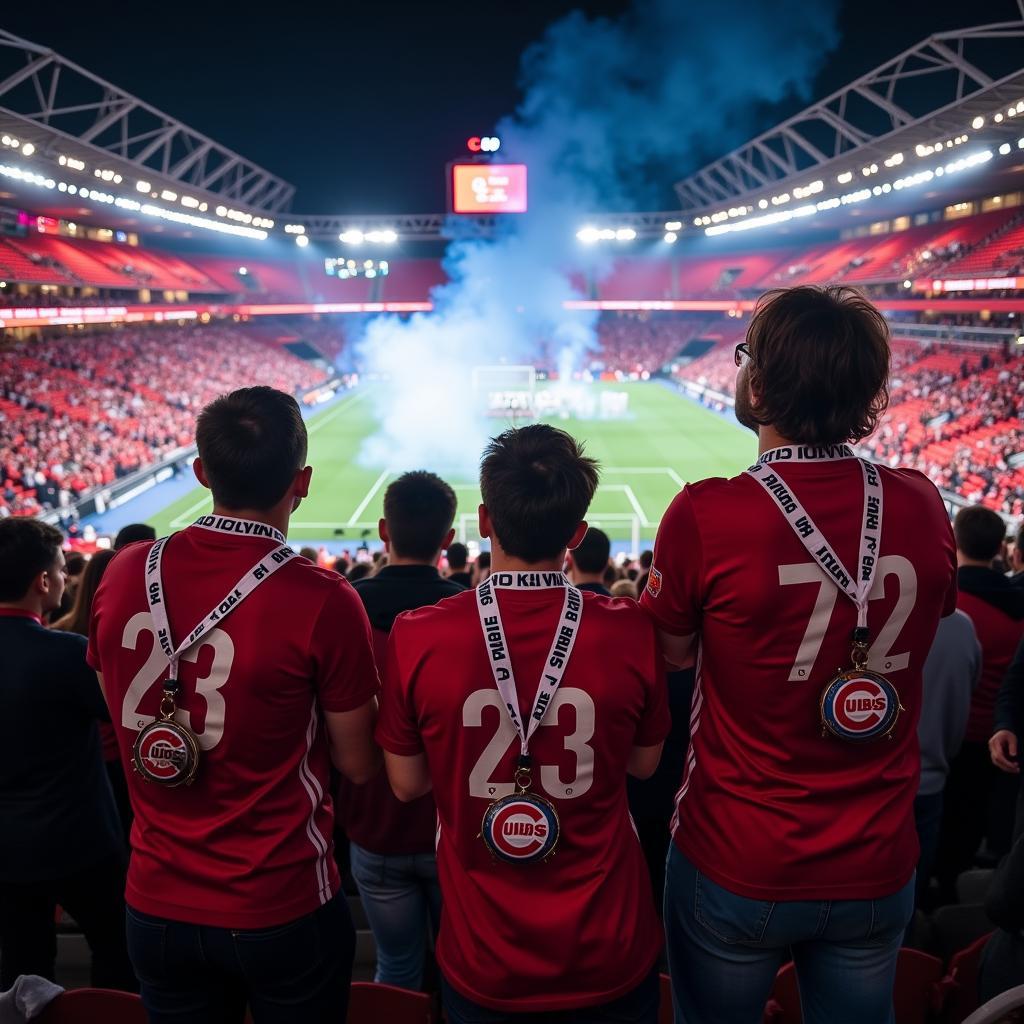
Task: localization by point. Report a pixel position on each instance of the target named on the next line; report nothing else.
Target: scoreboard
(488, 188)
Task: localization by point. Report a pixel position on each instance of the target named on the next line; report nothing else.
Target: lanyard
(267, 565)
(497, 645)
(856, 588)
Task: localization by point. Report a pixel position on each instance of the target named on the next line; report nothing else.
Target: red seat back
(89, 1005)
(370, 1003)
(961, 983)
(665, 1015)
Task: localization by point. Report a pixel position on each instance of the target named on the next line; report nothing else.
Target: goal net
(504, 391)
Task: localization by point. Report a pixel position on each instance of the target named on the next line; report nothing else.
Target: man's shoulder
(450, 610)
(911, 482)
(59, 644)
(616, 613)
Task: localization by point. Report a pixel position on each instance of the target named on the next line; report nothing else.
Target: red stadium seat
(93, 1006)
(370, 1003)
(961, 982)
(917, 995)
(665, 1014)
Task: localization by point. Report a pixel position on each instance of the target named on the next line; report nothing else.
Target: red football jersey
(768, 807)
(249, 843)
(579, 929)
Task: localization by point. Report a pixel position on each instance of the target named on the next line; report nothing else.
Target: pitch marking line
(666, 470)
(369, 497)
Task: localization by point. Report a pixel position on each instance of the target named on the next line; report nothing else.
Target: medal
(165, 751)
(520, 828)
(523, 827)
(857, 704)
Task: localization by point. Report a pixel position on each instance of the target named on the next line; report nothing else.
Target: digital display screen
(489, 188)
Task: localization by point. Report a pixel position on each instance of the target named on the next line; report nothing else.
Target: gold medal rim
(518, 796)
(188, 776)
(854, 673)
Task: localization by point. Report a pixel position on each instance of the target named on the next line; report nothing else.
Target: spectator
(74, 564)
(979, 798)
(359, 571)
(392, 844)
(646, 558)
(481, 568)
(588, 562)
(951, 673)
(625, 588)
(1002, 965)
(132, 533)
(1017, 558)
(458, 557)
(310, 554)
(554, 933)
(758, 874)
(77, 621)
(233, 894)
(61, 837)
(1004, 744)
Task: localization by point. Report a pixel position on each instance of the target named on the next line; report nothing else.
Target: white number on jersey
(207, 687)
(879, 657)
(480, 783)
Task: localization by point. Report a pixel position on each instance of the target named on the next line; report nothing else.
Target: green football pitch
(645, 459)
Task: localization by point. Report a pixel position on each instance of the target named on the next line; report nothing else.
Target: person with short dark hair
(310, 554)
(481, 568)
(1017, 558)
(392, 843)
(237, 672)
(520, 933)
(132, 534)
(979, 802)
(458, 559)
(588, 561)
(794, 830)
(61, 837)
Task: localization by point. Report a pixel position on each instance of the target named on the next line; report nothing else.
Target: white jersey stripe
(315, 794)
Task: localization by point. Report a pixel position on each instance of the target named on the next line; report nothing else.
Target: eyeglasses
(741, 354)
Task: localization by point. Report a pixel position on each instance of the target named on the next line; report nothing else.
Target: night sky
(360, 105)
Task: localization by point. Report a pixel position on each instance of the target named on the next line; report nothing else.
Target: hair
(252, 443)
(457, 555)
(74, 563)
(341, 564)
(611, 574)
(819, 364)
(537, 485)
(591, 554)
(419, 509)
(359, 571)
(310, 554)
(624, 588)
(77, 620)
(979, 533)
(28, 547)
(133, 532)
(646, 559)
(1018, 542)
(483, 560)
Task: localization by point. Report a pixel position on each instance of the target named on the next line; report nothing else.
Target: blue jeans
(402, 899)
(725, 950)
(640, 1006)
(295, 973)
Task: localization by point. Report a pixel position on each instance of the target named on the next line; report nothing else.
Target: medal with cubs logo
(858, 704)
(522, 827)
(165, 751)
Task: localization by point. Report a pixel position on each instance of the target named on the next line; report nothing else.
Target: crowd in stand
(82, 411)
(449, 809)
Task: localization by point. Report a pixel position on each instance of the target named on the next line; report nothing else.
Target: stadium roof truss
(929, 92)
(64, 109)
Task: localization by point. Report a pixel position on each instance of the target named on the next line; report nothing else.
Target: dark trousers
(979, 805)
(928, 819)
(94, 897)
(640, 1006)
(296, 973)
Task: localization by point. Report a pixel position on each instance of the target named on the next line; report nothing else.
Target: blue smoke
(613, 112)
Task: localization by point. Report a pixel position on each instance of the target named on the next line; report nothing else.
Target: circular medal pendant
(521, 828)
(859, 705)
(167, 753)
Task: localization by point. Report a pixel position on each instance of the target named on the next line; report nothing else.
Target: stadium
(147, 269)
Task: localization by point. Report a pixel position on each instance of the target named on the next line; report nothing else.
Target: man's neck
(394, 559)
(977, 563)
(277, 518)
(500, 562)
(34, 606)
(768, 438)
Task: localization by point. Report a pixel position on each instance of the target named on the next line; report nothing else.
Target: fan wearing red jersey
(547, 903)
(794, 830)
(236, 672)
